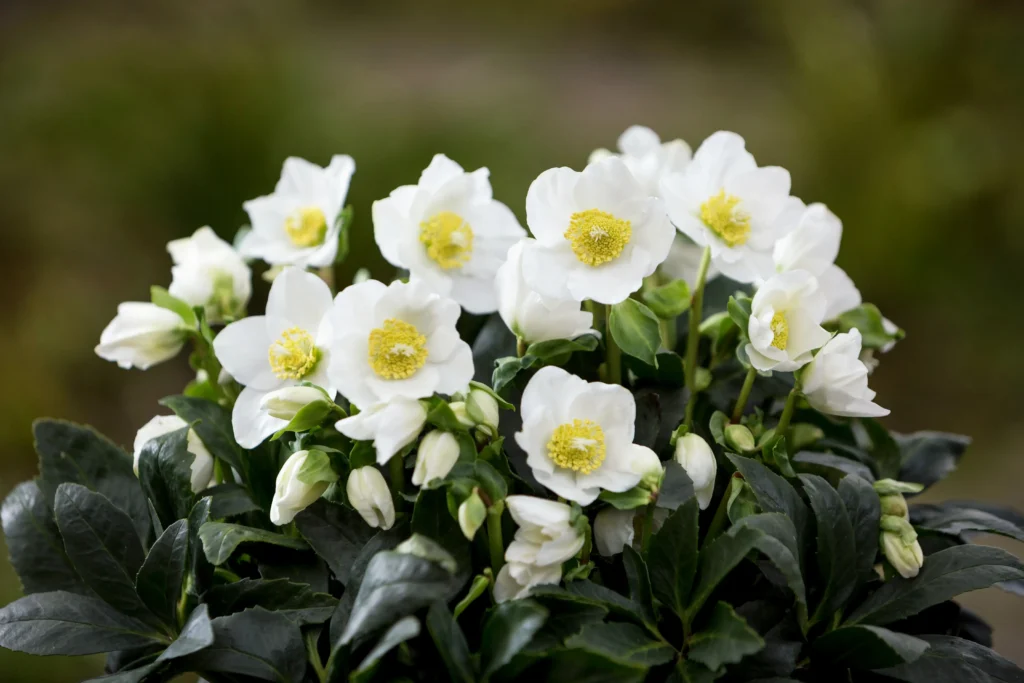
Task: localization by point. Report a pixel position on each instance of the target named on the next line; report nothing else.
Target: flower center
(578, 446)
(306, 227)
(719, 213)
(294, 355)
(597, 237)
(780, 330)
(397, 349)
(448, 239)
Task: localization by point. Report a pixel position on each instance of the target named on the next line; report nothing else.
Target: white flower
(647, 157)
(298, 223)
(578, 435)
(288, 345)
(208, 272)
(472, 515)
(599, 234)
(836, 381)
(841, 295)
(785, 322)
(697, 458)
(449, 232)
(396, 340)
(683, 262)
(545, 539)
(142, 335)
(482, 408)
(724, 201)
(368, 494)
(613, 530)
(391, 425)
(812, 245)
(202, 464)
(291, 495)
(435, 457)
(285, 403)
(530, 315)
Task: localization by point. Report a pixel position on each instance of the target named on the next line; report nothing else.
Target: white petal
(242, 348)
(550, 203)
(299, 297)
(250, 424)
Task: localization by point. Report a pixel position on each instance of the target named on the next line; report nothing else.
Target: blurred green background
(124, 125)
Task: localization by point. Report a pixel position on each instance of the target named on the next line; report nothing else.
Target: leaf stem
(645, 532)
(520, 347)
(721, 517)
(741, 402)
(613, 354)
(494, 540)
(313, 654)
(693, 338)
(787, 412)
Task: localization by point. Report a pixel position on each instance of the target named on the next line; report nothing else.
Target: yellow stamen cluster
(306, 227)
(720, 214)
(578, 446)
(294, 355)
(780, 328)
(597, 237)
(397, 349)
(448, 239)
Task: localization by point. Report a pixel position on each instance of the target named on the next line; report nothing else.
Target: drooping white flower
(697, 458)
(396, 340)
(599, 234)
(288, 345)
(724, 201)
(545, 539)
(683, 262)
(647, 157)
(836, 381)
(291, 494)
(530, 315)
(202, 464)
(142, 335)
(208, 272)
(613, 530)
(448, 231)
(435, 457)
(298, 224)
(578, 435)
(391, 425)
(368, 494)
(785, 322)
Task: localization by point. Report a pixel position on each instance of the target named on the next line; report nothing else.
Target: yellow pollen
(448, 239)
(294, 355)
(719, 213)
(306, 227)
(397, 349)
(578, 446)
(780, 328)
(597, 237)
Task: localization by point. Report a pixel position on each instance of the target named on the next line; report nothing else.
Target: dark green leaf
(673, 557)
(954, 660)
(159, 582)
(254, 643)
(202, 570)
(636, 330)
(229, 500)
(212, 424)
(739, 312)
(575, 665)
(884, 449)
(830, 466)
(450, 642)
(778, 542)
(725, 639)
(565, 618)
(868, 647)
(336, 534)
(627, 500)
(296, 601)
(162, 298)
(558, 348)
(868, 319)
(586, 592)
(441, 415)
(344, 224)
(306, 418)
(676, 487)
(431, 518)
(195, 635)
(402, 630)
(129, 675)
(951, 518)
(668, 301)
(508, 629)
(622, 643)
(165, 470)
(220, 540)
(836, 546)
(717, 559)
(34, 543)
(639, 582)
(774, 493)
(864, 511)
(944, 575)
(928, 457)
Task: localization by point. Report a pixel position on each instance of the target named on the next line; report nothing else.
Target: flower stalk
(613, 354)
(741, 402)
(494, 540)
(693, 338)
(787, 412)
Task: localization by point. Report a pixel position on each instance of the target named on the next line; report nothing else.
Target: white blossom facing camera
(599, 233)
(836, 381)
(785, 322)
(722, 200)
(448, 231)
(578, 435)
(395, 341)
(142, 335)
(202, 464)
(530, 315)
(298, 224)
(647, 157)
(368, 494)
(390, 425)
(544, 540)
(287, 346)
(291, 494)
(208, 272)
(697, 458)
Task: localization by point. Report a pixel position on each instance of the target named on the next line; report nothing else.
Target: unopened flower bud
(903, 551)
(285, 403)
(461, 414)
(739, 438)
(435, 457)
(648, 465)
(613, 530)
(291, 494)
(482, 408)
(368, 494)
(142, 335)
(428, 549)
(472, 514)
(697, 458)
(887, 487)
(202, 463)
(894, 505)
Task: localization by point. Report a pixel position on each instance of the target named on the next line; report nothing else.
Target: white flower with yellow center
(396, 340)
(448, 231)
(722, 200)
(599, 233)
(208, 272)
(578, 435)
(647, 157)
(298, 224)
(287, 346)
(785, 322)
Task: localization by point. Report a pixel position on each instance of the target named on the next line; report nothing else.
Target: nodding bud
(894, 505)
(461, 414)
(435, 457)
(472, 514)
(697, 458)
(887, 487)
(900, 545)
(368, 494)
(740, 439)
(482, 408)
(427, 549)
(284, 404)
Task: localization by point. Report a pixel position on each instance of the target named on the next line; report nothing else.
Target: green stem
(741, 402)
(693, 338)
(645, 533)
(397, 479)
(314, 655)
(721, 517)
(787, 412)
(520, 347)
(668, 334)
(494, 540)
(613, 354)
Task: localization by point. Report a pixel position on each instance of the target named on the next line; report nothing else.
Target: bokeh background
(124, 125)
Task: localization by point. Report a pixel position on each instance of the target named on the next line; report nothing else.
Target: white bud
(286, 402)
(739, 438)
(368, 494)
(142, 335)
(648, 465)
(905, 556)
(291, 495)
(461, 414)
(435, 457)
(208, 272)
(472, 514)
(427, 549)
(613, 530)
(483, 409)
(202, 464)
(697, 458)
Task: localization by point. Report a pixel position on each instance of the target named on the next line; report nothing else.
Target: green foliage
(634, 327)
